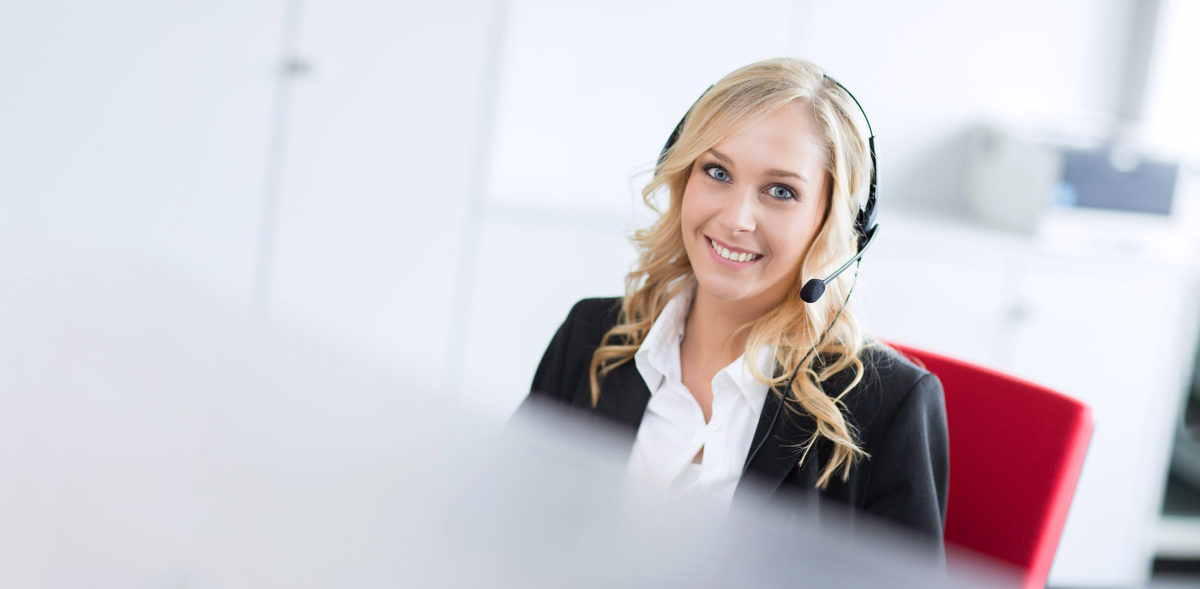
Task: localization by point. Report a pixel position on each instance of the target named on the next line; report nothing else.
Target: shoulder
(885, 367)
(900, 415)
(585, 325)
(891, 384)
(595, 314)
(562, 372)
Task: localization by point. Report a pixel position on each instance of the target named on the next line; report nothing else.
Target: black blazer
(897, 409)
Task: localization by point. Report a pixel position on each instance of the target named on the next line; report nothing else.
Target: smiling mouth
(732, 256)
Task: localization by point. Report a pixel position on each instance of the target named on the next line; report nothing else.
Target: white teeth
(728, 255)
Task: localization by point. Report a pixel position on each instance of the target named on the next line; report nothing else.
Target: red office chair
(1016, 449)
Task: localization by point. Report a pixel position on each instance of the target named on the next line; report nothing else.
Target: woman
(715, 357)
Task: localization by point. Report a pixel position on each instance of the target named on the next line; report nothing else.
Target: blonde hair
(793, 327)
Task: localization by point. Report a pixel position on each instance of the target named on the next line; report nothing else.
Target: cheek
(790, 242)
(692, 209)
(686, 209)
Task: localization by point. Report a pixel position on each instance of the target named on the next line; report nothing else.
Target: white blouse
(673, 430)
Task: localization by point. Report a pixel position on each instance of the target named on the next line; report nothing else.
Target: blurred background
(425, 188)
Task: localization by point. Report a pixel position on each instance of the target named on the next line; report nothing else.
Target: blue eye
(782, 192)
(716, 172)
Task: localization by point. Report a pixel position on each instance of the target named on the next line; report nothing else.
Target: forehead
(787, 138)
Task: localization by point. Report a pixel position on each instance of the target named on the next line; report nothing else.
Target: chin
(723, 290)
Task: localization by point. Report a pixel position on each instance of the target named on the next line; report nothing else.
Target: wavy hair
(793, 327)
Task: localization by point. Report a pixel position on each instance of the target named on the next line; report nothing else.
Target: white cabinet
(1114, 332)
(139, 130)
(377, 177)
(1116, 335)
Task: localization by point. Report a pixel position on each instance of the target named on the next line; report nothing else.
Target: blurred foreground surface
(152, 436)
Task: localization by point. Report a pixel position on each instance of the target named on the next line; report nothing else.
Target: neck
(711, 322)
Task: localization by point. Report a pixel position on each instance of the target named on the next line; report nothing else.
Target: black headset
(865, 229)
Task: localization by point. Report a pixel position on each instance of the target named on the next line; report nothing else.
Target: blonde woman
(715, 359)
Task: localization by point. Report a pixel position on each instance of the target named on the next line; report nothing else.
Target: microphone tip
(812, 291)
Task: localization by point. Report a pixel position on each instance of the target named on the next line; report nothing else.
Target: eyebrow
(777, 173)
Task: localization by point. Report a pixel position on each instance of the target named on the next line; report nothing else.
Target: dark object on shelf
(1116, 180)
(1180, 498)
(1185, 461)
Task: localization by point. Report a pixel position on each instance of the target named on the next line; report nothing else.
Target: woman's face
(752, 206)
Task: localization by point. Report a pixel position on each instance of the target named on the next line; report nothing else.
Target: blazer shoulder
(901, 423)
(888, 367)
(596, 312)
(562, 372)
(584, 327)
(889, 381)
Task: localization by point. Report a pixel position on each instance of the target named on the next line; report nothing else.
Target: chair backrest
(1016, 450)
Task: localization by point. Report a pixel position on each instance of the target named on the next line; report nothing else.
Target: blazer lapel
(623, 396)
(786, 430)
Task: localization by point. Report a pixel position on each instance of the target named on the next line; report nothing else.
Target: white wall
(1172, 122)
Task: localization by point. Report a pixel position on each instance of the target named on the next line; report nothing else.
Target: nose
(738, 214)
